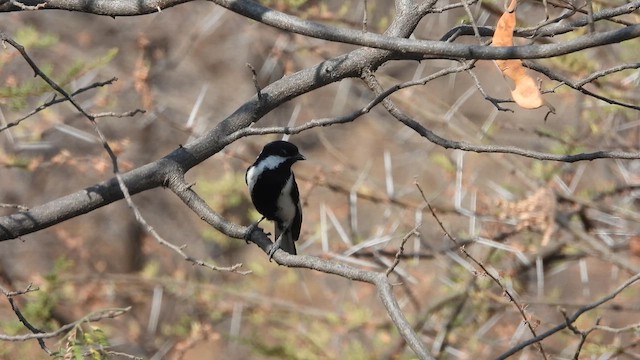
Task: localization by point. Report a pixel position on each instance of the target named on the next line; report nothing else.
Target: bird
(274, 192)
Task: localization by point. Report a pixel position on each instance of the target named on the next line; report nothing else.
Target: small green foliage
(29, 37)
(575, 63)
(357, 316)
(180, 328)
(38, 309)
(229, 196)
(227, 191)
(89, 344)
(16, 92)
(356, 350)
(14, 160)
(593, 349)
(444, 162)
(151, 270)
(543, 171)
(384, 22)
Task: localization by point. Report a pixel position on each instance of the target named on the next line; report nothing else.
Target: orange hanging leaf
(503, 35)
(526, 93)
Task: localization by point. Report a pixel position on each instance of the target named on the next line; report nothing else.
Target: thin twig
(571, 319)
(34, 330)
(119, 115)
(373, 84)
(364, 16)
(114, 160)
(249, 131)
(396, 259)
(23, 6)
(492, 100)
(14, 206)
(93, 317)
(252, 234)
(579, 85)
(486, 272)
(254, 77)
(56, 100)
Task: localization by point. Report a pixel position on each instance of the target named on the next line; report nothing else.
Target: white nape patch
(268, 163)
(286, 207)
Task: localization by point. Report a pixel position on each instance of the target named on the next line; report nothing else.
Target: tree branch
(571, 319)
(390, 41)
(258, 237)
(173, 166)
(98, 7)
(461, 145)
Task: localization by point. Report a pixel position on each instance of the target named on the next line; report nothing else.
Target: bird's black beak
(300, 157)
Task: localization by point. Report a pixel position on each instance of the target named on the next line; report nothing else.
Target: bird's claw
(251, 228)
(274, 247)
(272, 251)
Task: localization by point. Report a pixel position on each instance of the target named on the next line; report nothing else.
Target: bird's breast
(286, 206)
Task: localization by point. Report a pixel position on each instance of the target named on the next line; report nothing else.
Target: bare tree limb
(461, 145)
(98, 7)
(512, 299)
(578, 85)
(34, 330)
(571, 319)
(390, 42)
(173, 166)
(56, 100)
(93, 317)
(255, 235)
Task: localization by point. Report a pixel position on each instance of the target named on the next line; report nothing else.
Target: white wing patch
(268, 163)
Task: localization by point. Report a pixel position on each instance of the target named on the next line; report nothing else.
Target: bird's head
(282, 149)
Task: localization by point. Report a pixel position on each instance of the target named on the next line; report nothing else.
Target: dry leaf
(526, 93)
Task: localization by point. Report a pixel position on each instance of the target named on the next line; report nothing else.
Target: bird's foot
(251, 228)
(275, 247)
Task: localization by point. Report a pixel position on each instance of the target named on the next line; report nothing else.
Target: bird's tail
(286, 242)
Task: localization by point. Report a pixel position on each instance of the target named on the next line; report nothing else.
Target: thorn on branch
(485, 271)
(255, 82)
(23, 6)
(14, 206)
(119, 115)
(396, 260)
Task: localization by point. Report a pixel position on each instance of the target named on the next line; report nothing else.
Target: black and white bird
(274, 192)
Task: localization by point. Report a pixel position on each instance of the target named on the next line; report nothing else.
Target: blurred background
(187, 67)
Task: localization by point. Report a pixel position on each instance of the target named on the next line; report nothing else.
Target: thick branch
(174, 165)
(380, 280)
(428, 47)
(389, 41)
(97, 7)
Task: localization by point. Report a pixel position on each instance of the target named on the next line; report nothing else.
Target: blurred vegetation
(277, 312)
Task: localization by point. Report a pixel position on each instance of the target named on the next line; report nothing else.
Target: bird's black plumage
(274, 192)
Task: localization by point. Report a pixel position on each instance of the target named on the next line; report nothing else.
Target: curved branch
(256, 236)
(465, 146)
(461, 145)
(173, 166)
(579, 85)
(390, 41)
(429, 48)
(93, 317)
(98, 7)
(571, 319)
(550, 30)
